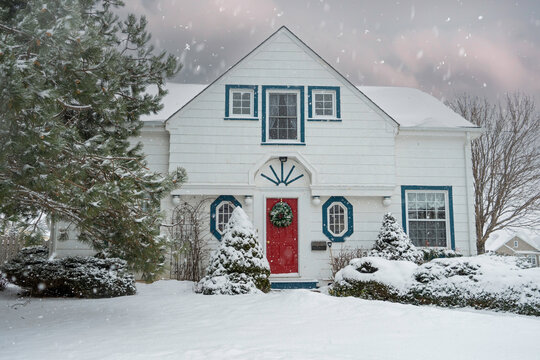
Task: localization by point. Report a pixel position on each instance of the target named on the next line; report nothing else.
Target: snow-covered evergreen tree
(239, 265)
(73, 80)
(393, 243)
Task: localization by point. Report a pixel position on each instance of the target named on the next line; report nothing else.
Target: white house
(282, 125)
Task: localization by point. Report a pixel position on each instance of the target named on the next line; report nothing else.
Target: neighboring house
(521, 243)
(284, 125)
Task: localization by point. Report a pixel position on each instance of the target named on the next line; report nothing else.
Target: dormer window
(241, 102)
(324, 103)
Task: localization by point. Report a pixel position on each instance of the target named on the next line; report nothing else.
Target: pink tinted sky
(446, 48)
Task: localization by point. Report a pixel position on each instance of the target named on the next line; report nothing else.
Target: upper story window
(324, 103)
(283, 115)
(428, 216)
(220, 213)
(241, 102)
(516, 244)
(337, 218)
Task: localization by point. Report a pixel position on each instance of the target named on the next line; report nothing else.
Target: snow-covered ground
(166, 320)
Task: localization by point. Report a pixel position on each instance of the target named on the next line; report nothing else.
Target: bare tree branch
(506, 163)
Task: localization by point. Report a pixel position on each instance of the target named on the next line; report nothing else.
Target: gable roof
(404, 107)
(284, 29)
(501, 237)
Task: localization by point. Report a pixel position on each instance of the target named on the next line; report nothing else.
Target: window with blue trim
(241, 102)
(220, 213)
(324, 103)
(337, 218)
(283, 115)
(428, 215)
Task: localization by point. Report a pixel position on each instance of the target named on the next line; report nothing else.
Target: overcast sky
(445, 48)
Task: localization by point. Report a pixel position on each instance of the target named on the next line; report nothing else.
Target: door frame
(301, 214)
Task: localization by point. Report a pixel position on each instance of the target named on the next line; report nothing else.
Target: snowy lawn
(166, 320)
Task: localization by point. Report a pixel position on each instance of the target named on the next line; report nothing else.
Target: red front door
(282, 242)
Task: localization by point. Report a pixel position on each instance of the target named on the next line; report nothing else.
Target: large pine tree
(73, 84)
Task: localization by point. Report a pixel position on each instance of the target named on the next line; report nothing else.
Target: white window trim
(446, 215)
(217, 215)
(251, 103)
(346, 218)
(314, 115)
(298, 116)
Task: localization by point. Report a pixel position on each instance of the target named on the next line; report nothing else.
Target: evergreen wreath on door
(281, 214)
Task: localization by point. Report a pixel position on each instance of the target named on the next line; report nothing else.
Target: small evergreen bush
(394, 244)
(430, 254)
(239, 265)
(482, 282)
(86, 277)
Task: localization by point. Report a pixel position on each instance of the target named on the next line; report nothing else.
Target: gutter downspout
(469, 189)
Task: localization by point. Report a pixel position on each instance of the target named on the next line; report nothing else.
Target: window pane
(237, 96)
(283, 121)
(336, 219)
(246, 96)
(224, 212)
(427, 218)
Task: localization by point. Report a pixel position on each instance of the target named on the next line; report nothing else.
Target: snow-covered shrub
(374, 278)
(482, 282)
(87, 277)
(3, 282)
(394, 244)
(436, 253)
(239, 265)
(344, 257)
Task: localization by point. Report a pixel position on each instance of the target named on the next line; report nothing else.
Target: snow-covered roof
(411, 108)
(178, 96)
(501, 237)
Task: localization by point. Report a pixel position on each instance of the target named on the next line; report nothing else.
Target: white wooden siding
(359, 150)
(435, 161)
